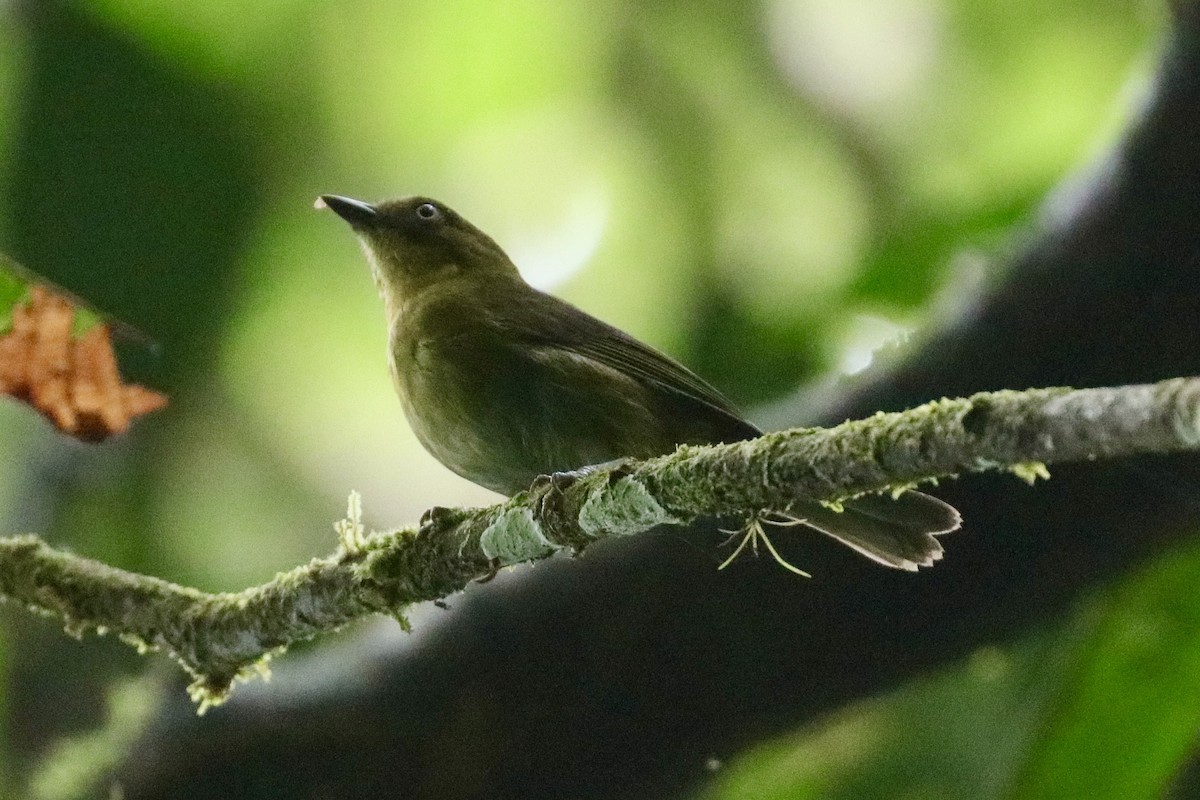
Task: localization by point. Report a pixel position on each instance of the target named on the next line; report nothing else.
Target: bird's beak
(356, 212)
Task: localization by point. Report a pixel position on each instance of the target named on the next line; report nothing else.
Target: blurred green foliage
(768, 190)
(1103, 706)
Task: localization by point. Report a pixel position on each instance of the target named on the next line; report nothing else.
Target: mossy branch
(218, 638)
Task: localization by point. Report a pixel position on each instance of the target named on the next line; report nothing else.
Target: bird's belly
(497, 420)
(473, 416)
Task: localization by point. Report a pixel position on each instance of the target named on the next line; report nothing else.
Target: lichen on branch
(220, 637)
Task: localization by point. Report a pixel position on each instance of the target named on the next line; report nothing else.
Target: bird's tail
(897, 533)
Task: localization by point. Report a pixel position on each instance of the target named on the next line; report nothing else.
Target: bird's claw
(558, 481)
(548, 487)
(438, 517)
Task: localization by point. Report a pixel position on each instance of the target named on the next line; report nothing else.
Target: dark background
(769, 191)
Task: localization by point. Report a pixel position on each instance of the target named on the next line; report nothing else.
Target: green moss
(209, 691)
(350, 531)
(1030, 471)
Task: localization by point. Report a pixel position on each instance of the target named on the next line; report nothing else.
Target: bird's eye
(427, 211)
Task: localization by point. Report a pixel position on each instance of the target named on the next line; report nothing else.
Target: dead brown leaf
(75, 383)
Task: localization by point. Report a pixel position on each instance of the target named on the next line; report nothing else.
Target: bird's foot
(561, 480)
(547, 491)
(557, 481)
(440, 517)
(753, 531)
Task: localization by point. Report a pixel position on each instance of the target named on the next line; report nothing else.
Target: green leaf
(14, 289)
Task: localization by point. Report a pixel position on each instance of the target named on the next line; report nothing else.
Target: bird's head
(417, 242)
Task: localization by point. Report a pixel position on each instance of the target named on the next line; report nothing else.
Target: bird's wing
(642, 362)
(560, 326)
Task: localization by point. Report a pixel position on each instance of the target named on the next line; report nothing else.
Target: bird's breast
(452, 386)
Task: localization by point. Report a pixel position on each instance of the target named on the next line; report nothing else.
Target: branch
(218, 638)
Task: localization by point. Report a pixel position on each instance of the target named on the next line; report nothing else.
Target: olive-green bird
(503, 383)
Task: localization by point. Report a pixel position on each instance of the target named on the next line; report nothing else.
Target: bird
(504, 384)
